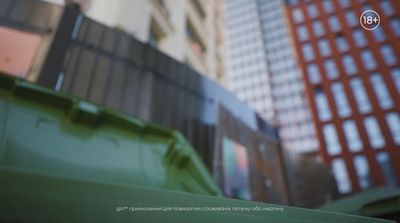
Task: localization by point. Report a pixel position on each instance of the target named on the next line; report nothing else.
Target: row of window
(350, 66)
(332, 73)
(360, 94)
(363, 172)
(353, 140)
(351, 18)
(358, 35)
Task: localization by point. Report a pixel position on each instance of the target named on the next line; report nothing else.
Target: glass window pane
(396, 78)
(374, 132)
(359, 38)
(318, 28)
(363, 172)
(342, 44)
(393, 121)
(312, 10)
(360, 94)
(349, 64)
(328, 6)
(308, 52)
(368, 59)
(366, 7)
(387, 7)
(388, 55)
(342, 103)
(341, 176)
(353, 138)
(302, 33)
(324, 47)
(334, 23)
(297, 15)
(324, 111)
(344, 3)
(395, 24)
(351, 18)
(313, 73)
(331, 139)
(381, 91)
(331, 69)
(387, 168)
(379, 34)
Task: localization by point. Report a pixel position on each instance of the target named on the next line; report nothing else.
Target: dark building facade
(352, 78)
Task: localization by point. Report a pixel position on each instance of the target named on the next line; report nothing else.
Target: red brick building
(352, 79)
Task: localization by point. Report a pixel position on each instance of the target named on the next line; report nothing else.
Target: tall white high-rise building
(264, 72)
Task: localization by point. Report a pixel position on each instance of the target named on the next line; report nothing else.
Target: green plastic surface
(67, 160)
(52, 134)
(35, 198)
(375, 202)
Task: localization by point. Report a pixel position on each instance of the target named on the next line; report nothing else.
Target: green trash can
(382, 202)
(63, 159)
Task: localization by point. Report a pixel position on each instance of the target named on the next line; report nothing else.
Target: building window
(381, 91)
(334, 23)
(293, 2)
(341, 43)
(366, 7)
(351, 18)
(353, 138)
(331, 139)
(349, 64)
(318, 28)
(395, 24)
(374, 132)
(324, 48)
(344, 3)
(368, 59)
(388, 54)
(396, 78)
(194, 40)
(341, 176)
(331, 69)
(308, 52)
(328, 6)
(379, 34)
(302, 33)
(313, 73)
(154, 34)
(312, 10)
(324, 111)
(342, 104)
(359, 38)
(387, 7)
(393, 121)
(363, 103)
(363, 172)
(387, 168)
(298, 15)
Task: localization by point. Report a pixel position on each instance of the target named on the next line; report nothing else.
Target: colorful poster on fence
(236, 170)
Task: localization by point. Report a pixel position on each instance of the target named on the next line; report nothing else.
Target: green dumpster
(63, 159)
(383, 202)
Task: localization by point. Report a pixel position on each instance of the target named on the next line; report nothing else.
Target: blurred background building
(265, 74)
(352, 79)
(264, 71)
(299, 58)
(189, 31)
